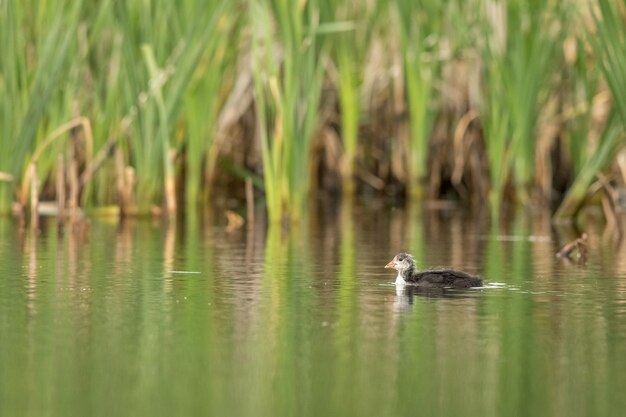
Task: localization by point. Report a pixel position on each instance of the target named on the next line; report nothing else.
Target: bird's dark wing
(446, 278)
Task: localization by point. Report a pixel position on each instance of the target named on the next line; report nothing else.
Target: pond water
(140, 319)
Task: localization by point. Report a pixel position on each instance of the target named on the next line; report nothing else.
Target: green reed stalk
(203, 103)
(608, 40)
(610, 141)
(264, 63)
(288, 76)
(174, 41)
(359, 22)
(109, 99)
(496, 124)
(581, 84)
(156, 91)
(610, 48)
(350, 113)
(518, 51)
(420, 29)
(145, 152)
(36, 45)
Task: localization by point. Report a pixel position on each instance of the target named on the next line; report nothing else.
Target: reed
(610, 141)
(172, 44)
(33, 71)
(518, 51)
(357, 25)
(68, 61)
(203, 106)
(157, 80)
(610, 48)
(583, 93)
(209, 66)
(422, 42)
(350, 113)
(608, 39)
(288, 76)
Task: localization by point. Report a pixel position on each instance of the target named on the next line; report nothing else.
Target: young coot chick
(407, 274)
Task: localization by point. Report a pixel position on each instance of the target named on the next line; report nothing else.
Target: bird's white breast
(400, 282)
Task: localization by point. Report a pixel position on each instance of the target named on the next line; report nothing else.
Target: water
(140, 319)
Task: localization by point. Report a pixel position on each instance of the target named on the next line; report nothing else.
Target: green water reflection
(142, 319)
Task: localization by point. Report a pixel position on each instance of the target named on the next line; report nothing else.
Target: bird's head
(401, 262)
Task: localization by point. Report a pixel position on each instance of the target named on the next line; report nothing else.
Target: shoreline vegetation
(154, 106)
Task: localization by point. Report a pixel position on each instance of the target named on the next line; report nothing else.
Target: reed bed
(608, 41)
(288, 76)
(177, 104)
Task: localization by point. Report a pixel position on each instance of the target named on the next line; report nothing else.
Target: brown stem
(34, 195)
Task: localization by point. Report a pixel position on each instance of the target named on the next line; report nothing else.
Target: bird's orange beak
(391, 264)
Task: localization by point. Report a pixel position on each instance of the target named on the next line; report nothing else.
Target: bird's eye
(401, 258)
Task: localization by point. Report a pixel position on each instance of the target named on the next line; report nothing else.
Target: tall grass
(33, 70)
(610, 48)
(172, 43)
(127, 66)
(288, 75)
(203, 105)
(357, 25)
(153, 78)
(610, 140)
(519, 48)
(350, 111)
(582, 92)
(608, 39)
(421, 36)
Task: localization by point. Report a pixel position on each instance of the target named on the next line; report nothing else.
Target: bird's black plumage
(436, 278)
(444, 278)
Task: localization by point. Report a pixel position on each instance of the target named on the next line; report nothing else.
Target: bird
(436, 278)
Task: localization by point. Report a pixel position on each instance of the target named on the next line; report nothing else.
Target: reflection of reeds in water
(287, 319)
(31, 247)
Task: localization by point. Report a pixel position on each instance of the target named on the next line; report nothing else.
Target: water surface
(143, 319)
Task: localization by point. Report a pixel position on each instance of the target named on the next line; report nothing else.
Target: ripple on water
(313, 319)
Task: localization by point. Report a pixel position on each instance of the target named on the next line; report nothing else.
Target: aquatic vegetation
(33, 72)
(422, 44)
(171, 57)
(288, 76)
(518, 50)
(609, 46)
(608, 40)
(183, 96)
(349, 50)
